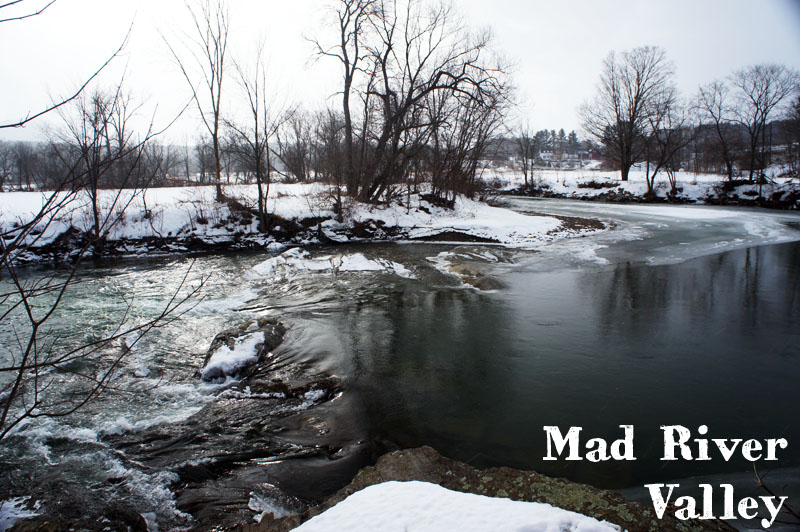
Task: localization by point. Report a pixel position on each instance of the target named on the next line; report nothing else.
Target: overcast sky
(556, 46)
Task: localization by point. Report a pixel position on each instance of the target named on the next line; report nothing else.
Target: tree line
(730, 125)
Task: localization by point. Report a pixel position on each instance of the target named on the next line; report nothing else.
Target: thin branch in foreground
(31, 117)
(29, 15)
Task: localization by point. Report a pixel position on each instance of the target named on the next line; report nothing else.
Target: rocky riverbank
(282, 443)
(278, 432)
(425, 464)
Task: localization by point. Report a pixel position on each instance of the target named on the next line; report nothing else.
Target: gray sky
(557, 47)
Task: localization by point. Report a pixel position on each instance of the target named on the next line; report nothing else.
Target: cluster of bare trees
(741, 110)
(421, 97)
(638, 116)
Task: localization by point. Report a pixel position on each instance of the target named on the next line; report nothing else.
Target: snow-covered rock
(425, 507)
(235, 350)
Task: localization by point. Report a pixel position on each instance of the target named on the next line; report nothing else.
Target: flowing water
(671, 316)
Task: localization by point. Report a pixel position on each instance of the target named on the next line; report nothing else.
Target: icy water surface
(673, 316)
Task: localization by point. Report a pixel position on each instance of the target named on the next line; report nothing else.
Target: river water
(673, 315)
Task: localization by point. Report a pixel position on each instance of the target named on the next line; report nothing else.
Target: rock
(425, 464)
(473, 277)
(273, 331)
(57, 519)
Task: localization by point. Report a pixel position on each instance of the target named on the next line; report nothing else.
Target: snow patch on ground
(227, 361)
(425, 507)
(470, 217)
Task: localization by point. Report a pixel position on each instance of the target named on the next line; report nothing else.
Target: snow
(468, 216)
(695, 187)
(424, 507)
(296, 260)
(192, 212)
(263, 506)
(184, 214)
(226, 361)
(12, 511)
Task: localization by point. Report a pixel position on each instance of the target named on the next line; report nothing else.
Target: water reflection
(712, 341)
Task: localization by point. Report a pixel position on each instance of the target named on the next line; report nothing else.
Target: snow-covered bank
(426, 507)
(418, 489)
(175, 220)
(780, 192)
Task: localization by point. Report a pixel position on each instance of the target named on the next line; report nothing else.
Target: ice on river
(296, 261)
(662, 234)
(425, 507)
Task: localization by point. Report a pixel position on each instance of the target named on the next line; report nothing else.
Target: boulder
(426, 465)
(234, 352)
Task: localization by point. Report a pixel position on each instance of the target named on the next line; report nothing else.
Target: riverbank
(424, 464)
(779, 191)
(189, 220)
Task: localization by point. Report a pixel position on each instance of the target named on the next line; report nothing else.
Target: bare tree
(759, 91)
(330, 158)
(24, 13)
(713, 101)
(264, 122)
(793, 134)
(669, 134)
(295, 146)
(658, 129)
(32, 12)
(6, 163)
(618, 117)
(207, 50)
(421, 50)
(25, 163)
(399, 57)
(459, 134)
(40, 363)
(352, 18)
(526, 151)
(103, 152)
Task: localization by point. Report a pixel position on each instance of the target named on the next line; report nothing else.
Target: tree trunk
(218, 169)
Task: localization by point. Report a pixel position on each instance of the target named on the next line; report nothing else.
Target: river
(673, 315)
